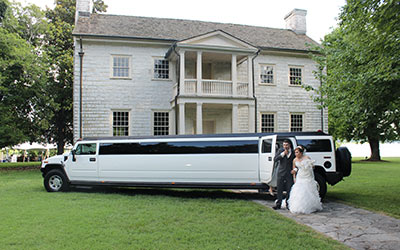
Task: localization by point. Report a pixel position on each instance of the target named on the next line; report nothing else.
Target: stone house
(157, 76)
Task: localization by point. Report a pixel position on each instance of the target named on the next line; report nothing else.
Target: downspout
(322, 108)
(254, 92)
(177, 88)
(81, 53)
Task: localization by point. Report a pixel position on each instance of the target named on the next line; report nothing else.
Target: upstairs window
(296, 122)
(161, 123)
(120, 123)
(295, 76)
(161, 69)
(267, 74)
(121, 66)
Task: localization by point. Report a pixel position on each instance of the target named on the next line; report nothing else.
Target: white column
(171, 121)
(234, 75)
(182, 72)
(250, 75)
(199, 118)
(181, 118)
(199, 72)
(235, 118)
(251, 118)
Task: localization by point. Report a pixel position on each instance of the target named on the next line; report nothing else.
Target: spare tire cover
(343, 161)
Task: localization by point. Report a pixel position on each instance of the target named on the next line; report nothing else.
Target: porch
(214, 116)
(217, 74)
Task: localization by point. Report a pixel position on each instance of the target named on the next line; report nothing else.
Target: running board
(173, 184)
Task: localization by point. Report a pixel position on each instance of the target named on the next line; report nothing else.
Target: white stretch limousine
(234, 161)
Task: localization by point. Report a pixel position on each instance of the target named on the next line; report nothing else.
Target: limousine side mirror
(73, 154)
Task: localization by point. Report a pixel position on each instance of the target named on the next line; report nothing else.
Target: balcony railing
(214, 88)
(190, 86)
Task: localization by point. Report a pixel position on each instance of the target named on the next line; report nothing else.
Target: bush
(19, 165)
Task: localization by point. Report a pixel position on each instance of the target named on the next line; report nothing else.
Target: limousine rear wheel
(321, 185)
(55, 180)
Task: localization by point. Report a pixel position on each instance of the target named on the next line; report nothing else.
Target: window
(296, 122)
(120, 123)
(267, 123)
(321, 145)
(161, 69)
(267, 74)
(180, 147)
(86, 149)
(121, 66)
(161, 123)
(295, 76)
(267, 146)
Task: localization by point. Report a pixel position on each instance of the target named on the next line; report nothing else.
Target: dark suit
(285, 178)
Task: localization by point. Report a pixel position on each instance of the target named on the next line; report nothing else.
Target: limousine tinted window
(267, 146)
(323, 145)
(86, 149)
(190, 147)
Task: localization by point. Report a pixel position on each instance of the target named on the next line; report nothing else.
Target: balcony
(218, 88)
(206, 74)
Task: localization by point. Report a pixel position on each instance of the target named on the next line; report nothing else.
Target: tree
(360, 73)
(59, 50)
(3, 8)
(21, 71)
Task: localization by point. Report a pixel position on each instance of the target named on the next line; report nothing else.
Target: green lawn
(372, 185)
(19, 165)
(32, 218)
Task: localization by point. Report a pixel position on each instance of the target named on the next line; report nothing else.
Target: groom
(285, 158)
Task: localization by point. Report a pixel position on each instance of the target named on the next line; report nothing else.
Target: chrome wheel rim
(55, 182)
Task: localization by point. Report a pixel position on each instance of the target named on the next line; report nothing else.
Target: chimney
(83, 8)
(296, 21)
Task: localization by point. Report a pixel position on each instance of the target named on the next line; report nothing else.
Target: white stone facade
(282, 99)
(214, 86)
(140, 95)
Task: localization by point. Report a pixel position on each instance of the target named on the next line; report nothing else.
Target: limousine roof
(283, 134)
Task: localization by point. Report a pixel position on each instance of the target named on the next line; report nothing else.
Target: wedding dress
(304, 197)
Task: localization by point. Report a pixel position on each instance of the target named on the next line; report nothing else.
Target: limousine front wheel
(55, 181)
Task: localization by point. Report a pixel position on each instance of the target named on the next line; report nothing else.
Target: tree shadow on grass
(177, 193)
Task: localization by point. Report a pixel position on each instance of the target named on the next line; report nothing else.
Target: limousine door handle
(188, 165)
(92, 159)
(269, 158)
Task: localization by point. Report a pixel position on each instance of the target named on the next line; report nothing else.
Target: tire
(343, 161)
(322, 188)
(55, 181)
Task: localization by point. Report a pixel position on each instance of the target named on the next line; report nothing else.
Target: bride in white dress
(304, 196)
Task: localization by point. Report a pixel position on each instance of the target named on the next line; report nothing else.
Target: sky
(321, 14)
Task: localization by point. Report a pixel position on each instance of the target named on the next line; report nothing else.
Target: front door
(267, 152)
(84, 167)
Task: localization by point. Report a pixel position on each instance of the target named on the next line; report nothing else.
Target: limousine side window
(321, 145)
(267, 146)
(180, 147)
(86, 149)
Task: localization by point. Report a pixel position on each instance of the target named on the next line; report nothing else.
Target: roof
(134, 27)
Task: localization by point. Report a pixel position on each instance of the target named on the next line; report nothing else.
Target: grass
(31, 218)
(371, 185)
(11, 165)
